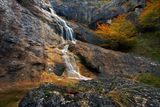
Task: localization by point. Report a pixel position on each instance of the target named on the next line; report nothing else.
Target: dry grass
(73, 21)
(119, 98)
(12, 93)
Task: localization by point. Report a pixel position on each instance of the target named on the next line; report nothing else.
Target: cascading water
(66, 31)
(67, 35)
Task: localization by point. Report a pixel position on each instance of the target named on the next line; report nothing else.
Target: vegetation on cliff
(121, 33)
(150, 17)
(142, 38)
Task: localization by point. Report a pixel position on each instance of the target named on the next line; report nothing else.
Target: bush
(120, 33)
(150, 17)
(150, 80)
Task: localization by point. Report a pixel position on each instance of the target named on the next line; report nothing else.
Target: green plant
(73, 86)
(47, 93)
(121, 98)
(149, 42)
(150, 80)
(34, 95)
(150, 18)
(125, 0)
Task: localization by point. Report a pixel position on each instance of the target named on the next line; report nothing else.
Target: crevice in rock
(88, 65)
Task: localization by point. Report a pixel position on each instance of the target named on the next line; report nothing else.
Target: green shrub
(150, 17)
(150, 80)
(148, 45)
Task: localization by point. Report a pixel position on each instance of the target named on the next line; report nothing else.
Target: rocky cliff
(30, 40)
(92, 11)
(25, 29)
(28, 29)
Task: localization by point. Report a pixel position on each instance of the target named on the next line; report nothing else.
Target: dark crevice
(88, 65)
(139, 6)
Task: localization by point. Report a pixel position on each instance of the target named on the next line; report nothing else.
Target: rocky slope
(113, 91)
(111, 62)
(25, 29)
(29, 43)
(29, 34)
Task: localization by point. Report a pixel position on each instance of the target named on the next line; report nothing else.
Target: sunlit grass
(12, 93)
(11, 98)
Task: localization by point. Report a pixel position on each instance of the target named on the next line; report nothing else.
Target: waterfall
(66, 31)
(67, 35)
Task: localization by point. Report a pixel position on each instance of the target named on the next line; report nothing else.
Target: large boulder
(104, 61)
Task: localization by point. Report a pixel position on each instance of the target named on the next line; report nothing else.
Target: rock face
(25, 29)
(29, 42)
(111, 62)
(109, 92)
(92, 11)
(83, 33)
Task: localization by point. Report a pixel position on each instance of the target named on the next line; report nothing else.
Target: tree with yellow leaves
(120, 32)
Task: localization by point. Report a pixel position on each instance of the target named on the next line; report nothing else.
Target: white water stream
(67, 35)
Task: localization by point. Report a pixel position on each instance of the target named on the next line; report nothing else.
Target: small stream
(67, 36)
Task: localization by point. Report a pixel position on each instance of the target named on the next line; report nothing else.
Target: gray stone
(92, 11)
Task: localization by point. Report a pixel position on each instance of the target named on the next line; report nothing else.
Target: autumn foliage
(121, 31)
(150, 17)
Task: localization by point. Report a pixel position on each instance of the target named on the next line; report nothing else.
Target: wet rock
(59, 68)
